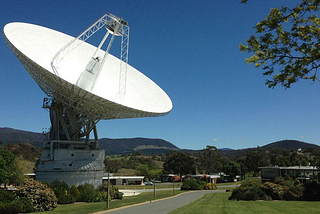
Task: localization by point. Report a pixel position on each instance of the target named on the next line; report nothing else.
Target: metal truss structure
(115, 26)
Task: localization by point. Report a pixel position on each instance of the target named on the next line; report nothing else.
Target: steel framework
(114, 25)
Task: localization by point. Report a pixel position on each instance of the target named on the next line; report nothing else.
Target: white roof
(289, 167)
(35, 46)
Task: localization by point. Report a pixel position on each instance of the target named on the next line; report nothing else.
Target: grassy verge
(230, 183)
(158, 186)
(220, 204)
(84, 208)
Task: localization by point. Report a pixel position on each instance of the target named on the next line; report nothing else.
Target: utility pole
(173, 186)
(154, 190)
(108, 195)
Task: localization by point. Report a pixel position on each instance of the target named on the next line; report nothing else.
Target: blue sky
(191, 50)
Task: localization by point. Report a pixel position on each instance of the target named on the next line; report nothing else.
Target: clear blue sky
(191, 50)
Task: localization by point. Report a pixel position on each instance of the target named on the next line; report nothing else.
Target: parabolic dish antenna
(36, 48)
(84, 84)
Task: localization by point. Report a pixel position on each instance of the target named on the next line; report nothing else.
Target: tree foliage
(255, 159)
(233, 169)
(149, 171)
(211, 160)
(179, 163)
(6, 161)
(11, 171)
(287, 45)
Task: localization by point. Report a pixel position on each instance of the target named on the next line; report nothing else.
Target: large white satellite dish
(36, 47)
(84, 84)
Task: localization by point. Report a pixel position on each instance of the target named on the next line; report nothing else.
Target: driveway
(162, 206)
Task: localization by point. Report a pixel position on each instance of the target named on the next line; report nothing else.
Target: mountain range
(143, 145)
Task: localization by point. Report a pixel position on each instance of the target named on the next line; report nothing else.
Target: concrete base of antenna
(75, 163)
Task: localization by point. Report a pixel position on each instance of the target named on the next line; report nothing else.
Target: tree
(256, 158)
(6, 162)
(210, 160)
(147, 170)
(288, 45)
(112, 165)
(233, 169)
(17, 171)
(179, 163)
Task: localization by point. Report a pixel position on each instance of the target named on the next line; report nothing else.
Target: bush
(251, 193)
(193, 184)
(6, 196)
(9, 208)
(25, 205)
(114, 191)
(65, 199)
(280, 181)
(275, 191)
(74, 192)
(311, 191)
(294, 193)
(100, 196)
(62, 192)
(296, 181)
(251, 182)
(42, 197)
(87, 193)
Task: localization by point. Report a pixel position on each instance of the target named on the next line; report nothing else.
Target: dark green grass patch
(218, 203)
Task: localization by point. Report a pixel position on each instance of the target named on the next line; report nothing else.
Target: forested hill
(9, 135)
(291, 144)
(111, 146)
(143, 145)
(283, 144)
(131, 145)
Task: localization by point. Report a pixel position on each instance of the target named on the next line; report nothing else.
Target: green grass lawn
(84, 208)
(230, 183)
(217, 203)
(158, 186)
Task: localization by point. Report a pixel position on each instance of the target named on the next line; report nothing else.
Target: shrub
(296, 181)
(275, 191)
(280, 181)
(193, 184)
(10, 204)
(6, 196)
(87, 193)
(100, 196)
(294, 193)
(251, 182)
(114, 191)
(62, 192)
(74, 192)
(42, 197)
(248, 193)
(9, 208)
(311, 191)
(25, 205)
(208, 186)
(66, 199)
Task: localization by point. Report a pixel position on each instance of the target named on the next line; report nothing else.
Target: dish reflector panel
(35, 46)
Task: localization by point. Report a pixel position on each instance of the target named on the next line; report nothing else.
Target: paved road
(163, 206)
